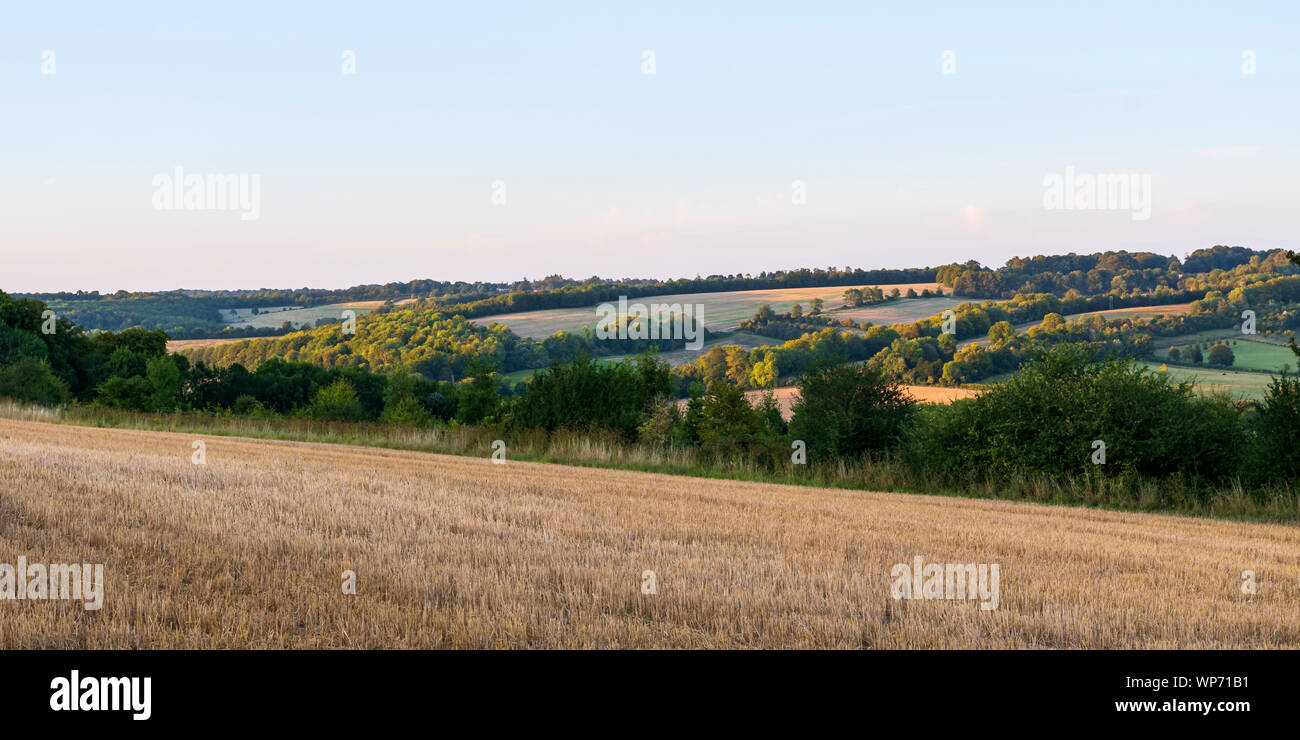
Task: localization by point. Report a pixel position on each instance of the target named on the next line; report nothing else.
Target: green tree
(588, 394)
(400, 404)
(479, 399)
(1221, 355)
(32, 380)
(848, 410)
(164, 379)
(729, 428)
(1275, 448)
(336, 402)
(1001, 332)
(1048, 417)
(132, 393)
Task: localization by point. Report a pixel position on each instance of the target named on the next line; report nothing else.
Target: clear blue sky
(387, 174)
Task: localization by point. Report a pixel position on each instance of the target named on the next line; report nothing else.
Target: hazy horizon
(536, 278)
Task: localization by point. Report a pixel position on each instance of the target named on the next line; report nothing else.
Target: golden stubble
(249, 551)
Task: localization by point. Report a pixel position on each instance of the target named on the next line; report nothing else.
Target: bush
(660, 427)
(408, 411)
(247, 405)
(849, 410)
(336, 402)
(32, 380)
(1221, 355)
(125, 393)
(1275, 446)
(478, 401)
(730, 429)
(587, 394)
(400, 404)
(1047, 417)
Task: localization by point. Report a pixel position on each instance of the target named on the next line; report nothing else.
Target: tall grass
(1278, 503)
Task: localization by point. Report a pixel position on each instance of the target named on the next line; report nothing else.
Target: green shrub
(731, 429)
(247, 405)
(1046, 419)
(1275, 445)
(587, 394)
(1221, 355)
(124, 393)
(32, 380)
(849, 410)
(336, 402)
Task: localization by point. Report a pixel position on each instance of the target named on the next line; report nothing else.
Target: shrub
(1046, 419)
(32, 380)
(1275, 446)
(336, 402)
(849, 410)
(660, 427)
(587, 394)
(247, 405)
(731, 429)
(400, 404)
(124, 393)
(1221, 355)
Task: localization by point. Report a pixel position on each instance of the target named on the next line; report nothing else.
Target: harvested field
(249, 551)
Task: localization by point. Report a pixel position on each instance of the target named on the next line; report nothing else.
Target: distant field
(276, 316)
(905, 310)
(1237, 384)
(1139, 312)
(722, 310)
(680, 357)
(373, 304)
(176, 345)
(1249, 354)
(675, 359)
(785, 397)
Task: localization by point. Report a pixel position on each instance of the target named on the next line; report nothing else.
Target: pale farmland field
(785, 397)
(1237, 384)
(902, 311)
(275, 317)
(1138, 312)
(248, 551)
(178, 345)
(677, 358)
(722, 310)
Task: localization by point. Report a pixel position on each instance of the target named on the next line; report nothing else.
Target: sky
(495, 141)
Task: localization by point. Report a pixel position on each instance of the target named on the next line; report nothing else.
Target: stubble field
(724, 310)
(249, 551)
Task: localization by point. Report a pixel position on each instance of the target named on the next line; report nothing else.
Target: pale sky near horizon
(388, 174)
